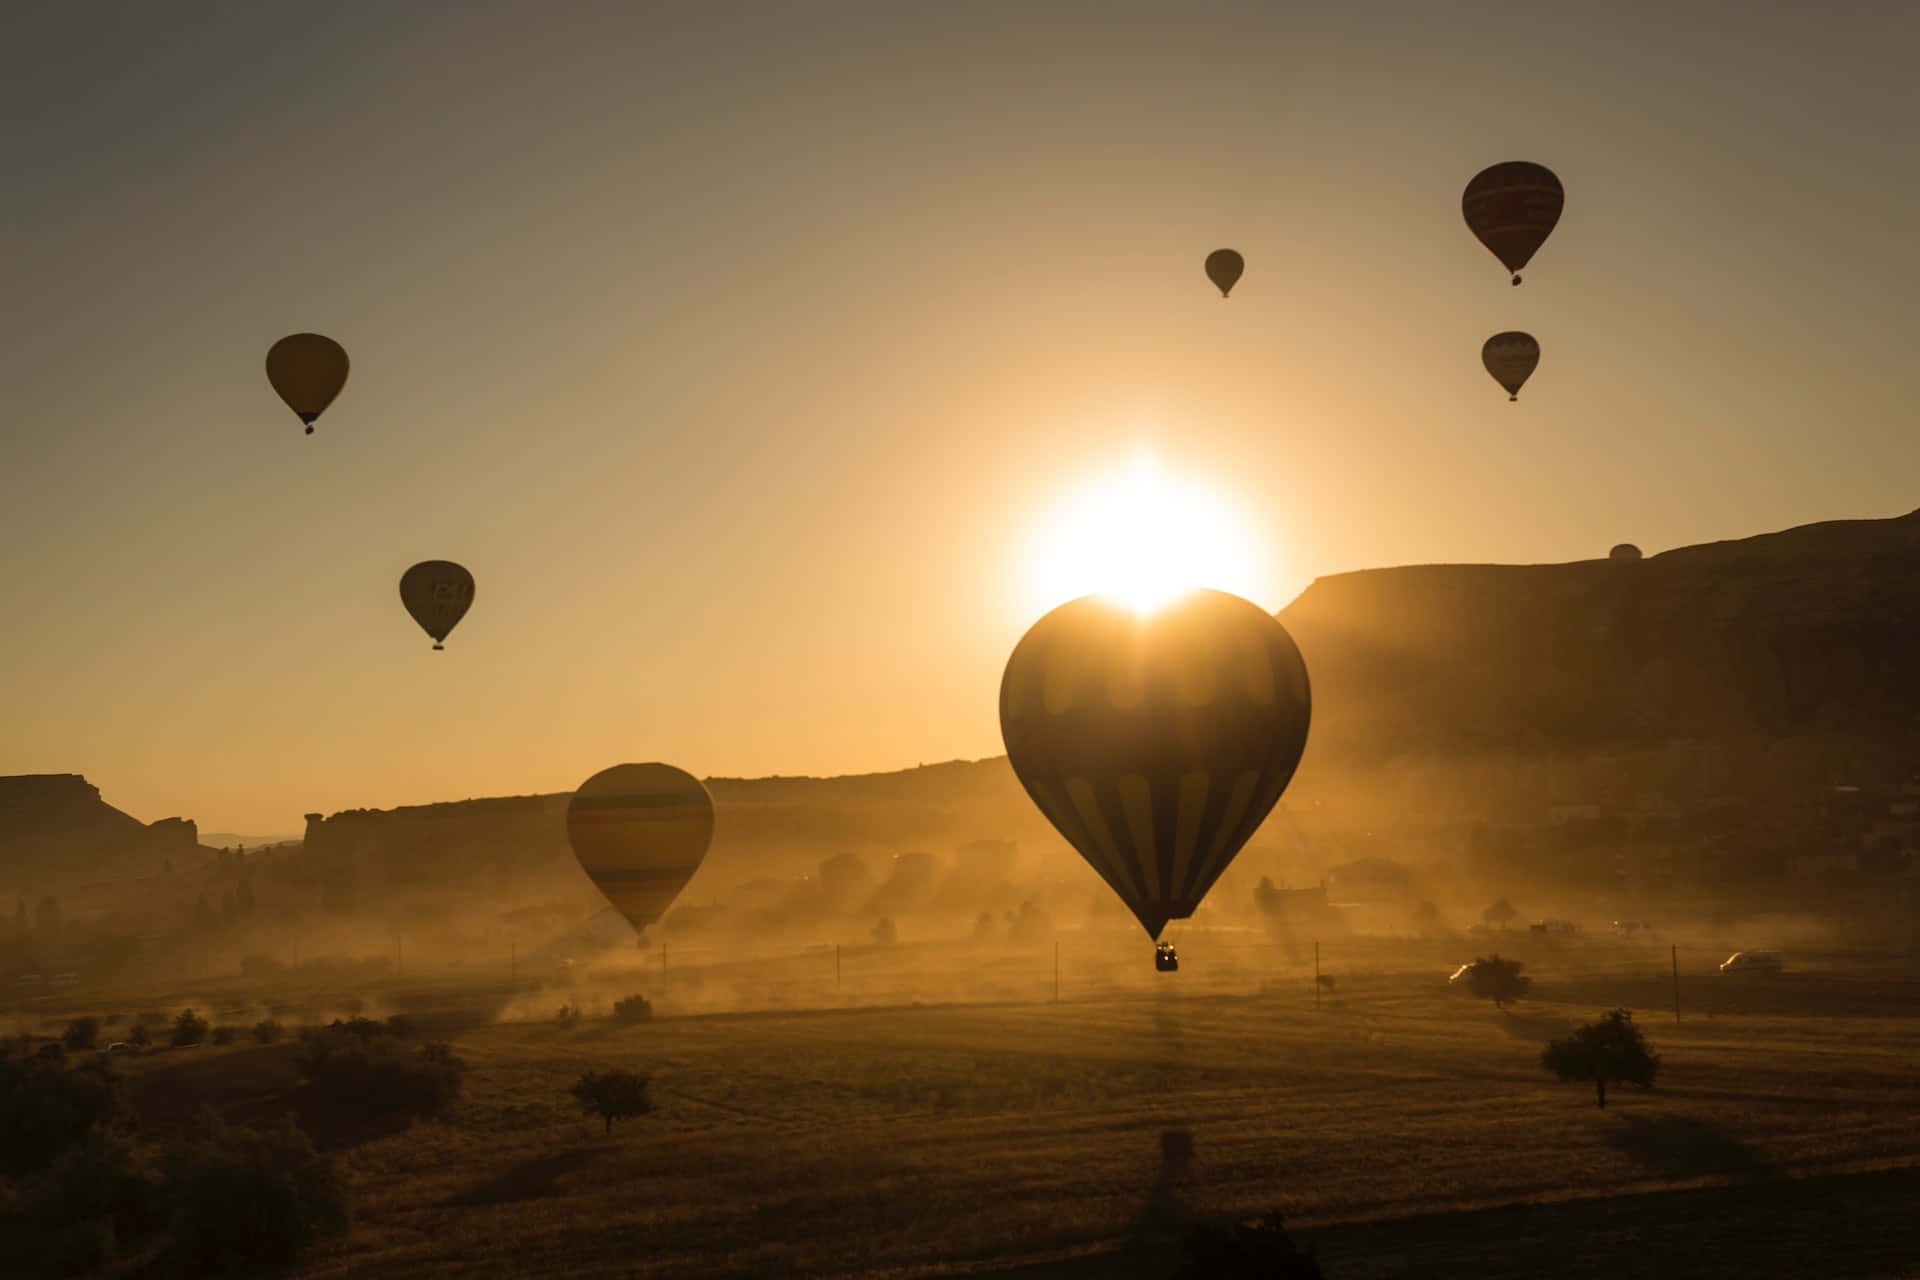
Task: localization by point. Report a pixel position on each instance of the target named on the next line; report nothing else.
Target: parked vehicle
(1461, 974)
(1751, 962)
(1555, 927)
(120, 1048)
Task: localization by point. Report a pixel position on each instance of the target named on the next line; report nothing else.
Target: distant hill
(55, 826)
(1810, 631)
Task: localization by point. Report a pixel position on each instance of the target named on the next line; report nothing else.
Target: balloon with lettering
(437, 593)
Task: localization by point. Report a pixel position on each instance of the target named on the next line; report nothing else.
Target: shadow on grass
(1682, 1147)
(1538, 1027)
(528, 1180)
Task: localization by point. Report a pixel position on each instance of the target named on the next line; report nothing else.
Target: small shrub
(612, 1095)
(46, 1110)
(567, 1018)
(1256, 1250)
(884, 931)
(81, 1034)
(635, 1008)
(267, 1031)
(188, 1029)
(140, 1035)
(223, 1035)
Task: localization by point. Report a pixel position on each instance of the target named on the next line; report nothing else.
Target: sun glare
(1142, 536)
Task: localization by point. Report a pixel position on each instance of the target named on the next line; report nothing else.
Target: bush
(1498, 980)
(248, 1198)
(140, 1035)
(567, 1018)
(374, 1075)
(81, 1034)
(884, 931)
(635, 1008)
(72, 1220)
(47, 1110)
(612, 1095)
(1610, 1049)
(1257, 1250)
(267, 1031)
(188, 1029)
(223, 1035)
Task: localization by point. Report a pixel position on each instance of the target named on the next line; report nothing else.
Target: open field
(1033, 1138)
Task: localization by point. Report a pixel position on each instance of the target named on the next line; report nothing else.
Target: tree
(1498, 914)
(612, 1095)
(635, 1008)
(243, 896)
(1498, 980)
(1610, 1049)
(884, 932)
(245, 1197)
(188, 1029)
(568, 1017)
(1230, 1250)
(81, 1033)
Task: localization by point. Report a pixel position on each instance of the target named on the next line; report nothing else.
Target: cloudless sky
(740, 350)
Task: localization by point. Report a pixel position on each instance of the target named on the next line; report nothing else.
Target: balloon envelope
(640, 832)
(1156, 744)
(1624, 551)
(1223, 268)
(1511, 358)
(1512, 208)
(308, 371)
(437, 593)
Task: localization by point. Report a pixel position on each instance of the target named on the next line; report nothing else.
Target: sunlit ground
(1142, 534)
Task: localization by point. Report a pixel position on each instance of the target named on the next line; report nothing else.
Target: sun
(1141, 536)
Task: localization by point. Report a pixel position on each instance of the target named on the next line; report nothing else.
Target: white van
(1751, 962)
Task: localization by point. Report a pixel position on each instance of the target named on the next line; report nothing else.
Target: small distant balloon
(1224, 267)
(1512, 208)
(1156, 744)
(640, 831)
(1511, 359)
(1624, 551)
(307, 370)
(437, 593)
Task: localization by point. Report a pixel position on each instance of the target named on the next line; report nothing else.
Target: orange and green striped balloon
(1156, 744)
(640, 831)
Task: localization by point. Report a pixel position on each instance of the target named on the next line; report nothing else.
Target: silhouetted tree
(81, 1033)
(188, 1028)
(983, 927)
(612, 1095)
(1499, 913)
(203, 914)
(1498, 980)
(245, 1197)
(46, 1110)
(243, 896)
(1610, 1049)
(635, 1008)
(140, 1036)
(567, 1018)
(1426, 917)
(884, 932)
(267, 1031)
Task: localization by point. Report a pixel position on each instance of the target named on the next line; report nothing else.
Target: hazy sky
(743, 351)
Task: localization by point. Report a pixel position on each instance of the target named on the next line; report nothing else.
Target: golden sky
(747, 352)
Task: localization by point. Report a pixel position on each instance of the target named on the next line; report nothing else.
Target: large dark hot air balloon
(1624, 551)
(437, 593)
(1224, 268)
(1156, 743)
(1512, 208)
(640, 831)
(307, 370)
(1511, 358)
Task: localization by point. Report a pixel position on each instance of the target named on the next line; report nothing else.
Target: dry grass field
(1396, 1126)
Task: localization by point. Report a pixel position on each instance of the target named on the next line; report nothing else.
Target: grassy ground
(883, 1140)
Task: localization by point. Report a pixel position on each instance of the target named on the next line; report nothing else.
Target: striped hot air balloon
(640, 832)
(1510, 359)
(1512, 208)
(1156, 744)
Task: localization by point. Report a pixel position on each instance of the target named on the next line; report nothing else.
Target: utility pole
(513, 964)
(399, 956)
(663, 959)
(836, 966)
(1056, 971)
(1316, 975)
(1675, 948)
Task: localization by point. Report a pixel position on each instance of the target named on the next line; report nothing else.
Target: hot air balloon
(1511, 359)
(1223, 268)
(1624, 551)
(437, 594)
(307, 370)
(640, 831)
(1512, 208)
(1156, 743)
